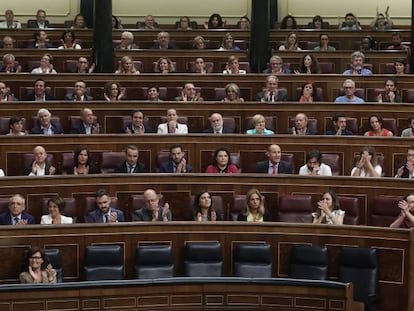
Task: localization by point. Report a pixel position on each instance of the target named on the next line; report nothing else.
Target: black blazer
(283, 168)
(56, 129)
(33, 24)
(32, 97)
(129, 125)
(139, 168)
(92, 170)
(80, 129)
(309, 131)
(224, 131)
(266, 216)
(28, 169)
(281, 96)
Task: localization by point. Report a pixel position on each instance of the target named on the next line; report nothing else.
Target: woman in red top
(222, 163)
(406, 218)
(308, 92)
(375, 127)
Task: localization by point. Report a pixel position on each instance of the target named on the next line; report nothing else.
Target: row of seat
(250, 260)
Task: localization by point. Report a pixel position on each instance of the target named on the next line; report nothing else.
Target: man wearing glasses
(349, 90)
(407, 170)
(276, 66)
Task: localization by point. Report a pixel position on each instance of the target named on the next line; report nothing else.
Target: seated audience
(79, 93)
(10, 22)
(288, 22)
(375, 126)
(55, 206)
(357, 65)
(79, 22)
(324, 44)
(259, 123)
(8, 43)
(40, 22)
(137, 125)
(149, 23)
(314, 165)
(232, 91)
(46, 65)
(217, 126)
(86, 124)
(308, 92)
(317, 23)
(350, 24)
(9, 64)
(153, 94)
(301, 126)
(215, 21)
(329, 211)
(274, 164)
(271, 93)
(199, 43)
(222, 163)
(131, 164)
(152, 210)
(16, 126)
(400, 66)
(177, 163)
(254, 210)
(308, 65)
(45, 125)
(113, 91)
(82, 163)
(203, 208)
(172, 126)
(244, 23)
(36, 268)
(368, 43)
(406, 218)
(127, 41)
(200, 66)
(16, 214)
(367, 164)
(407, 169)
(233, 66)
(409, 132)
(164, 65)
(276, 66)
(39, 93)
(189, 94)
(126, 66)
(83, 66)
(349, 90)
(227, 44)
(40, 40)
(390, 93)
(381, 21)
(116, 22)
(184, 23)
(163, 42)
(339, 125)
(291, 43)
(6, 94)
(105, 212)
(397, 43)
(68, 41)
(40, 165)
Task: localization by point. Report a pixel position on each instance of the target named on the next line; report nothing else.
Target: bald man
(152, 211)
(40, 165)
(274, 164)
(301, 126)
(86, 124)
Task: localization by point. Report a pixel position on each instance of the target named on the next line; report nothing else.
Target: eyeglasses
(348, 87)
(36, 257)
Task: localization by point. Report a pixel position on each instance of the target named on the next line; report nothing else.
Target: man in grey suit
(274, 164)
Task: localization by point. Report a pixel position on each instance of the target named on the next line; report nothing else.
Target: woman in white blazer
(55, 206)
(172, 126)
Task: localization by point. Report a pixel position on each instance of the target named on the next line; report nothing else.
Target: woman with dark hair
(215, 21)
(36, 268)
(222, 163)
(203, 208)
(82, 160)
(184, 23)
(113, 91)
(16, 126)
(116, 22)
(55, 206)
(375, 126)
(79, 22)
(308, 65)
(308, 92)
(367, 164)
(317, 22)
(68, 40)
(328, 211)
(400, 66)
(254, 210)
(406, 218)
(288, 22)
(291, 43)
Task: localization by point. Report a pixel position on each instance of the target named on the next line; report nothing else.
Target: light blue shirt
(344, 99)
(364, 72)
(265, 132)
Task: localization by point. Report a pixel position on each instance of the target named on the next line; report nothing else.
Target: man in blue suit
(274, 164)
(105, 213)
(16, 214)
(177, 163)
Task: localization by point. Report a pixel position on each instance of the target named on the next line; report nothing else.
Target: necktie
(271, 97)
(16, 220)
(275, 169)
(106, 218)
(131, 169)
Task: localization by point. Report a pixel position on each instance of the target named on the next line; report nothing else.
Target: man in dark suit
(216, 122)
(40, 21)
(131, 164)
(39, 93)
(137, 125)
(16, 214)
(177, 163)
(105, 213)
(163, 42)
(40, 165)
(46, 126)
(86, 123)
(276, 66)
(339, 125)
(274, 165)
(271, 93)
(79, 92)
(301, 126)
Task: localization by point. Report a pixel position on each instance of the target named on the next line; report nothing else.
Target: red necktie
(274, 169)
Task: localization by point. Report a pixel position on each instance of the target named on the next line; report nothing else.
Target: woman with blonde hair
(259, 123)
(232, 91)
(233, 66)
(254, 210)
(164, 65)
(126, 66)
